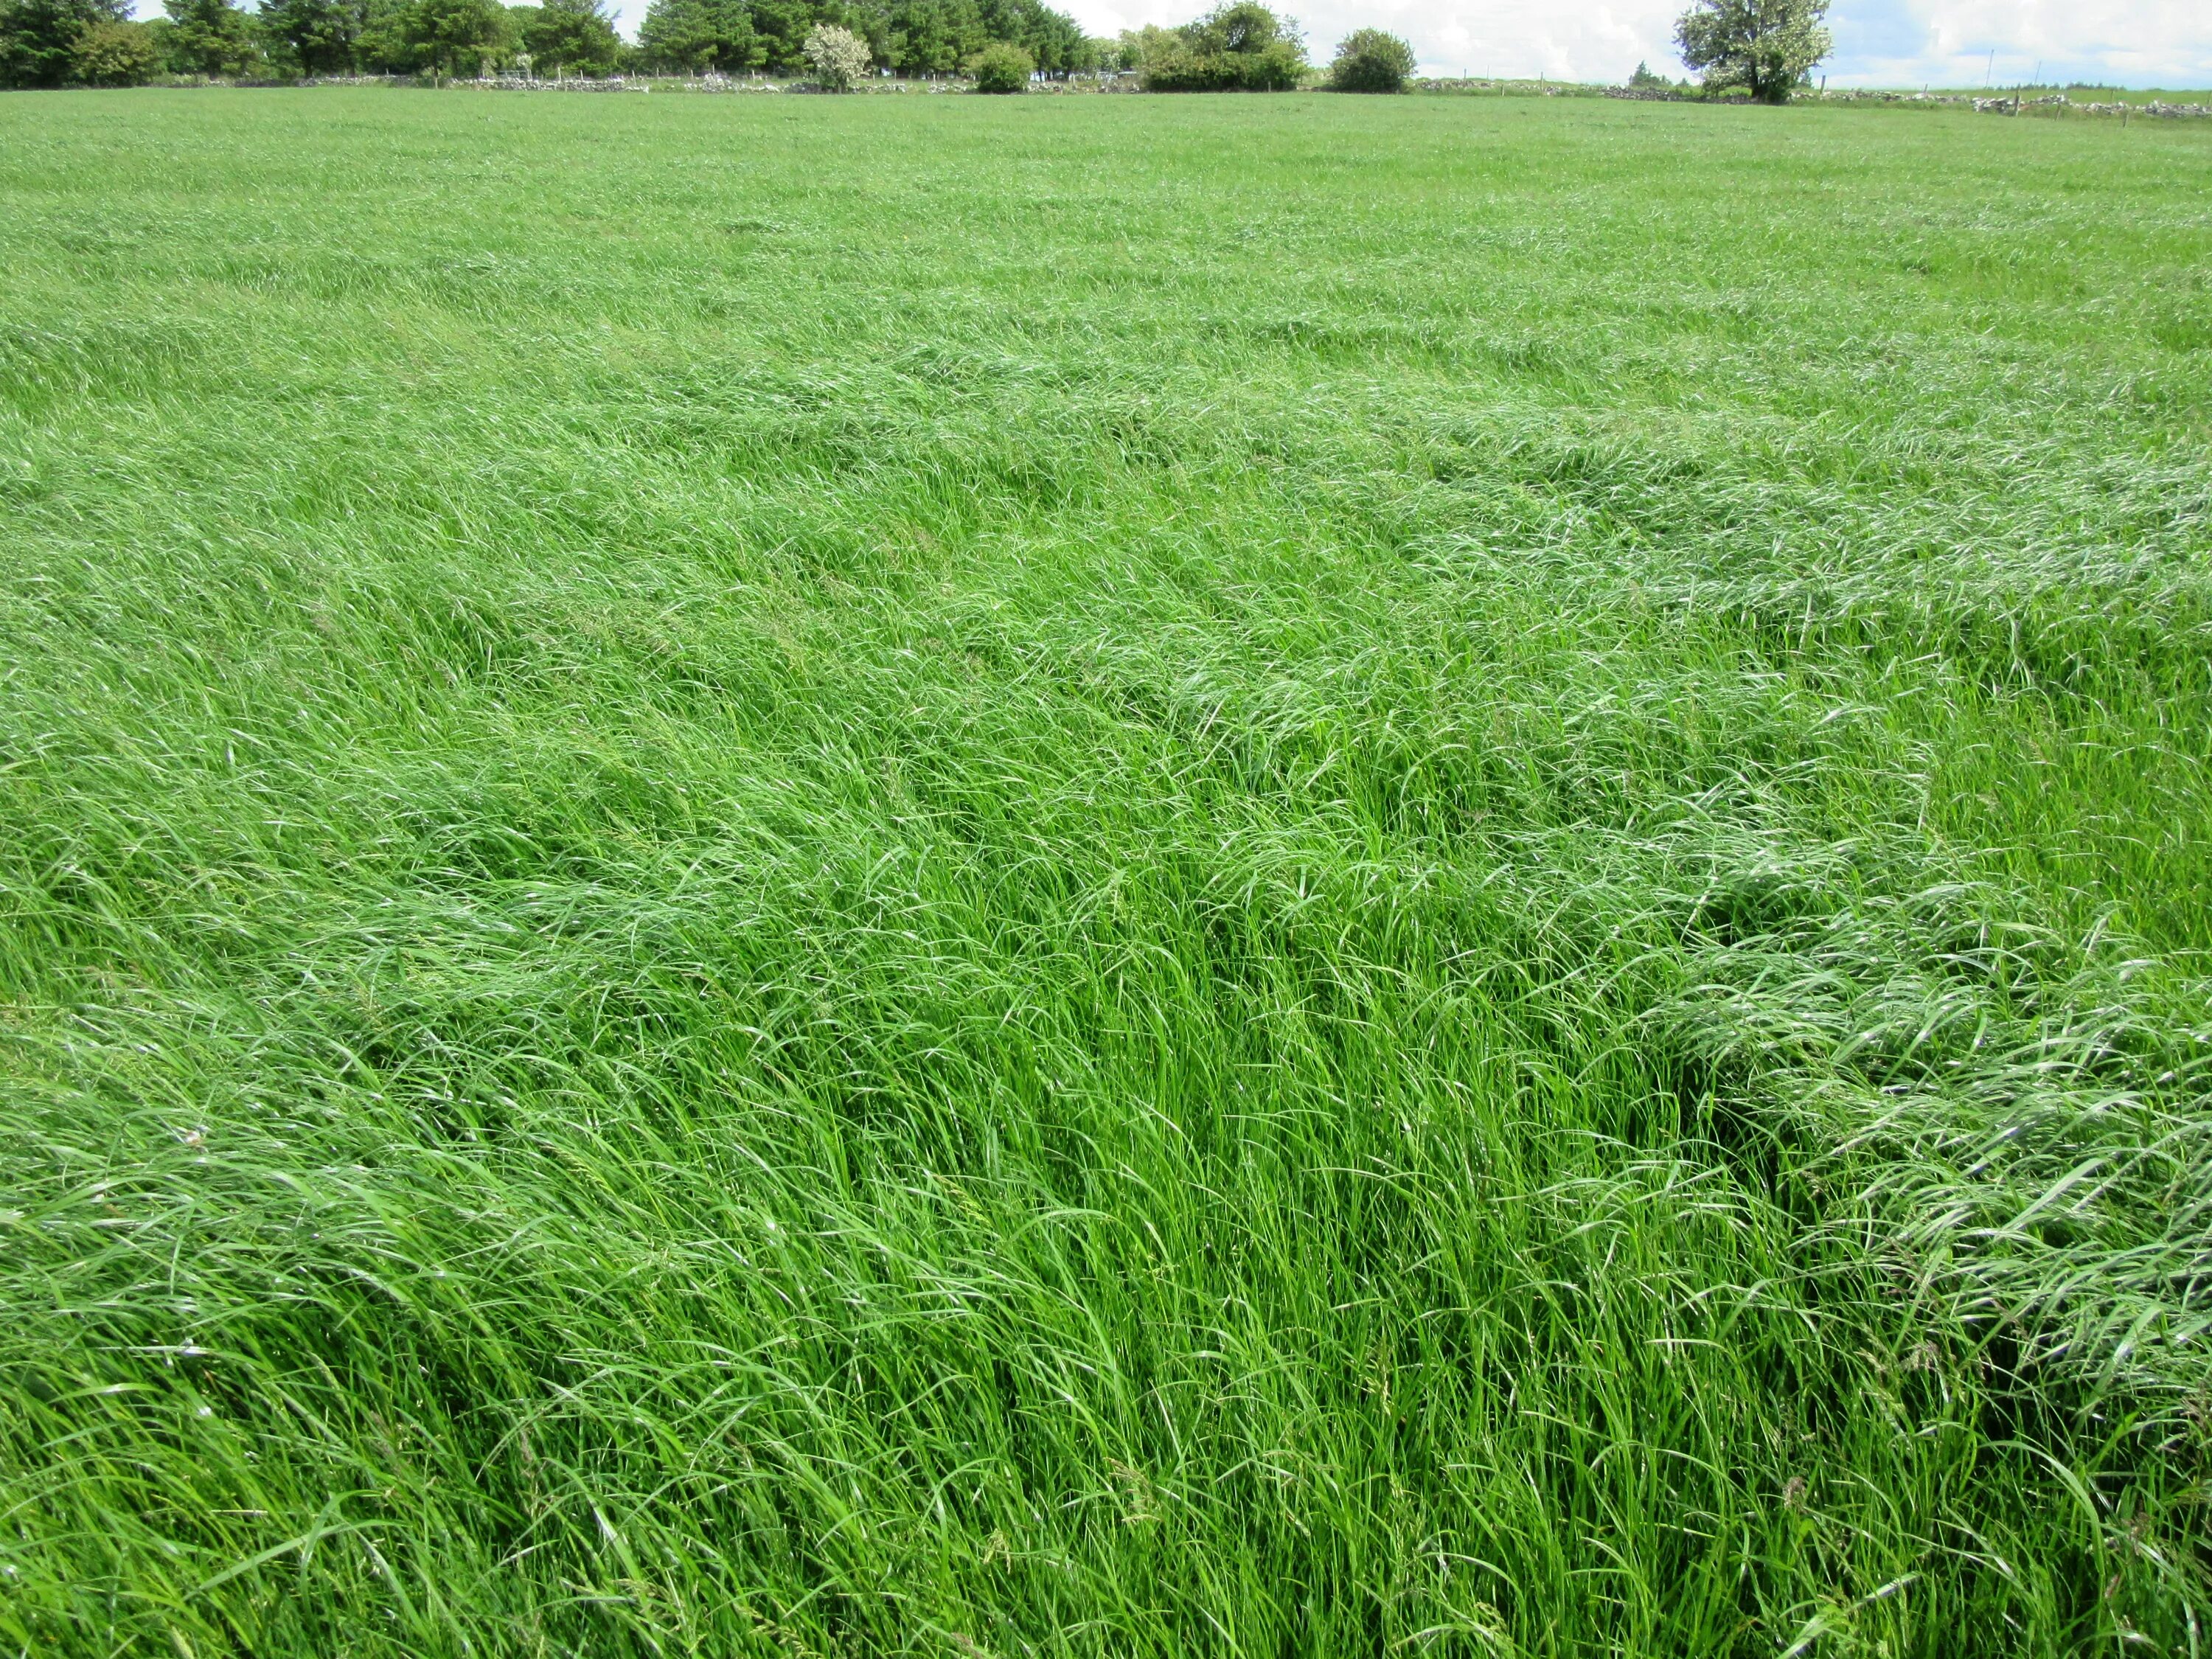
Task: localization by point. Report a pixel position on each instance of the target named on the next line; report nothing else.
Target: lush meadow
(1101, 876)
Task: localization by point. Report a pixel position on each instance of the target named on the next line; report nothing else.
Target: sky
(1887, 43)
(1878, 43)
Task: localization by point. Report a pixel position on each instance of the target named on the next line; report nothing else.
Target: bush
(838, 57)
(1369, 60)
(1002, 67)
(1234, 48)
(112, 54)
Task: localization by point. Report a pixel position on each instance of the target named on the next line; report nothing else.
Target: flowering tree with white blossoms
(838, 57)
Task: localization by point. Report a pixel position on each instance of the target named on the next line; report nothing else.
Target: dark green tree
(321, 37)
(912, 36)
(1764, 46)
(574, 35)
(782, 27)
(39, 38)
(701, 34)
(934, 37)
(210, 37)
(446, 33)
(1369, 60)
(1050, 37)
(383, 46)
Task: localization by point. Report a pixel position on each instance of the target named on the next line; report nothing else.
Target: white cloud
(1971, 42)
(1878, 42)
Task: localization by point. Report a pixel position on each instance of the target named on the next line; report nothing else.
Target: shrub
(1002, 67)
(112, 54)
(1369, 60)
(1234, 48)
(838, 57)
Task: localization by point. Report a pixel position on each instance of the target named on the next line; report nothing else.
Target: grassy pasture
(1101, 876)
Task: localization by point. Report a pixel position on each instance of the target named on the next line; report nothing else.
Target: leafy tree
(1645, 78)
(1002, 67)
(112, 54)
(1764, 46)
(1239, 47)
(571, 34)
(320, 36)
(1369, 60)
(837, 56)
(935, 37)
(384, 45)
(701, 34)
(1049, 37)
(1137, 47)
(210, 37)
(782, 25)
(39, 38)
(913, 37)
(445, 32)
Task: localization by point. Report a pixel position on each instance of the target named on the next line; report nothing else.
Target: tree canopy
(701, 34)
(112, 54)
(450, 33)
(210, 37)
(1238, 47)
(576, 35)
(910, 37)
(320, 36)
(54, 42)
(39, 38)
(1764, 46)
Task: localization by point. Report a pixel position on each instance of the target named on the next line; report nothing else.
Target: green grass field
(1101, 876)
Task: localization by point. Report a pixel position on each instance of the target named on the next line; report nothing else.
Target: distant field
(1101, 876)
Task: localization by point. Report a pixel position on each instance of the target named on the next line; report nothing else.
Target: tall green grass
(1100, 877)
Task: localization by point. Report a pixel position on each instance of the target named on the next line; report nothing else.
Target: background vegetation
(1238, 47)
(1370, 60)
(1112, 875)
(49, 43)
(1765, 48)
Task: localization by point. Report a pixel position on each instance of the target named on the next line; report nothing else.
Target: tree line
(50, 43)
(1764, 47)
(912, 38)
(1240, 46)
